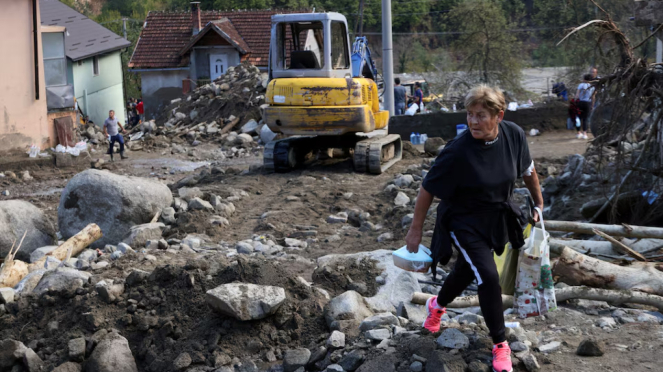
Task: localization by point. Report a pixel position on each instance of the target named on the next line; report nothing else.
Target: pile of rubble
(587, 182)
(226, 111)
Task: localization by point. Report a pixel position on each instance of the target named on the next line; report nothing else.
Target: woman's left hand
(535, 215)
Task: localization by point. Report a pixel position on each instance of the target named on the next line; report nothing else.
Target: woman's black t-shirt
(474, 178)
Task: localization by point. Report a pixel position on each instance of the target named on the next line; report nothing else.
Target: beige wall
(23, 119)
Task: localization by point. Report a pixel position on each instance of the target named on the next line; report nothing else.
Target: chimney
(195, 17)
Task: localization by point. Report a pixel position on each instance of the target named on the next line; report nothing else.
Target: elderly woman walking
(474, 177)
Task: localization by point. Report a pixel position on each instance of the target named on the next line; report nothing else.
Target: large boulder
(112, 354)
(114, 202)
(245, 301)
(17, 217)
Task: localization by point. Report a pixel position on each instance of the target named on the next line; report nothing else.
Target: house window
(55, 62)
(95, 66)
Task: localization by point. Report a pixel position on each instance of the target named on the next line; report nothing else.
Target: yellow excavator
(322, 93)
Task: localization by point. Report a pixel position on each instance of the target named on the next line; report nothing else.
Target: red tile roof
(223, 28)
(166, 33)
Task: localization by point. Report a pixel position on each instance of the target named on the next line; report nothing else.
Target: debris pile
(93, 133)
(176, 283)
(606, 184)
(226, 111)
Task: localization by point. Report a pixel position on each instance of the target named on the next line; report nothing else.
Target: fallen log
(584, 246)
(613, 230)
(72, 247)
(563, 294)
(604, 248)
(12, 271)
(229, 126)
(420, 298)
(576, 269)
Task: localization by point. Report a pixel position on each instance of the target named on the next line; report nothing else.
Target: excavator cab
(310, 45)
(322, 93)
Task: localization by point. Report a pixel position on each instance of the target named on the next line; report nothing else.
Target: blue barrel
(460, 128)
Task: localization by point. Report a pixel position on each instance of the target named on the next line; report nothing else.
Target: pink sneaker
(502, 357)
(432, 322)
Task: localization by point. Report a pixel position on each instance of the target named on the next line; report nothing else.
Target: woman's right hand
(413, 239)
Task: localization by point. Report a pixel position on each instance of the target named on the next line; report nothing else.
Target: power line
(461, 32)
(404, 14)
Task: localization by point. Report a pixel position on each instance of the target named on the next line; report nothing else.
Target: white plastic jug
(418, 262)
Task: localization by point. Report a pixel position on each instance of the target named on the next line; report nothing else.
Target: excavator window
(300, 45)
(340, 55)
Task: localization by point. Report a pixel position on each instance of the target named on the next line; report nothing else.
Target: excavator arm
(362, 63)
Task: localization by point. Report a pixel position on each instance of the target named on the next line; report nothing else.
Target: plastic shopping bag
(411, 110)
(534, 290)
(507, 265)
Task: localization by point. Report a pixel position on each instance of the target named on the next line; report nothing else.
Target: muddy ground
(298, 204)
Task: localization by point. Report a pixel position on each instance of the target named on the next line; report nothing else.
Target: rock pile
(226, 111)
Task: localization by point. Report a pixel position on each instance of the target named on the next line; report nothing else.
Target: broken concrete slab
(245, 301)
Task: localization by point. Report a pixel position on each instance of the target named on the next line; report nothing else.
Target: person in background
(474, 178)
(559, 89)
(418, 95)
(585, 95)
(110, 130)
(594, 72)
(141, 111)
(400, 97)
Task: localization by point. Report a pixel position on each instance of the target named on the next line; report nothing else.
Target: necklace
(488, 143)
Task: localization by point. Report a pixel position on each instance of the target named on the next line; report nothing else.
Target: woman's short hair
(587, 77)
(489, 97)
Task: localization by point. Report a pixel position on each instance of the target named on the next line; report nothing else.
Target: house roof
(166, 34)
(85, 38)
(226, 30)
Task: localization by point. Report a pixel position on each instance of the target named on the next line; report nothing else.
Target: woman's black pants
(585, 109)
(476, 261)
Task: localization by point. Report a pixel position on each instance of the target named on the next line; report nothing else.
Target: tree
(485, 48)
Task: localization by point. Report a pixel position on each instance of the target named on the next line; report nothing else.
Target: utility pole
(361, 19)
(659, 47)
(124, 27)
(387, 58)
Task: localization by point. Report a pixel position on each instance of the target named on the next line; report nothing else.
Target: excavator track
(282, 155)
(376, 155)
(373, 155)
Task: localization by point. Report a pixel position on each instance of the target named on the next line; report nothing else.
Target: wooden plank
(623, 248)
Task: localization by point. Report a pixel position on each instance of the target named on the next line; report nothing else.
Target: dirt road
(556, 145)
